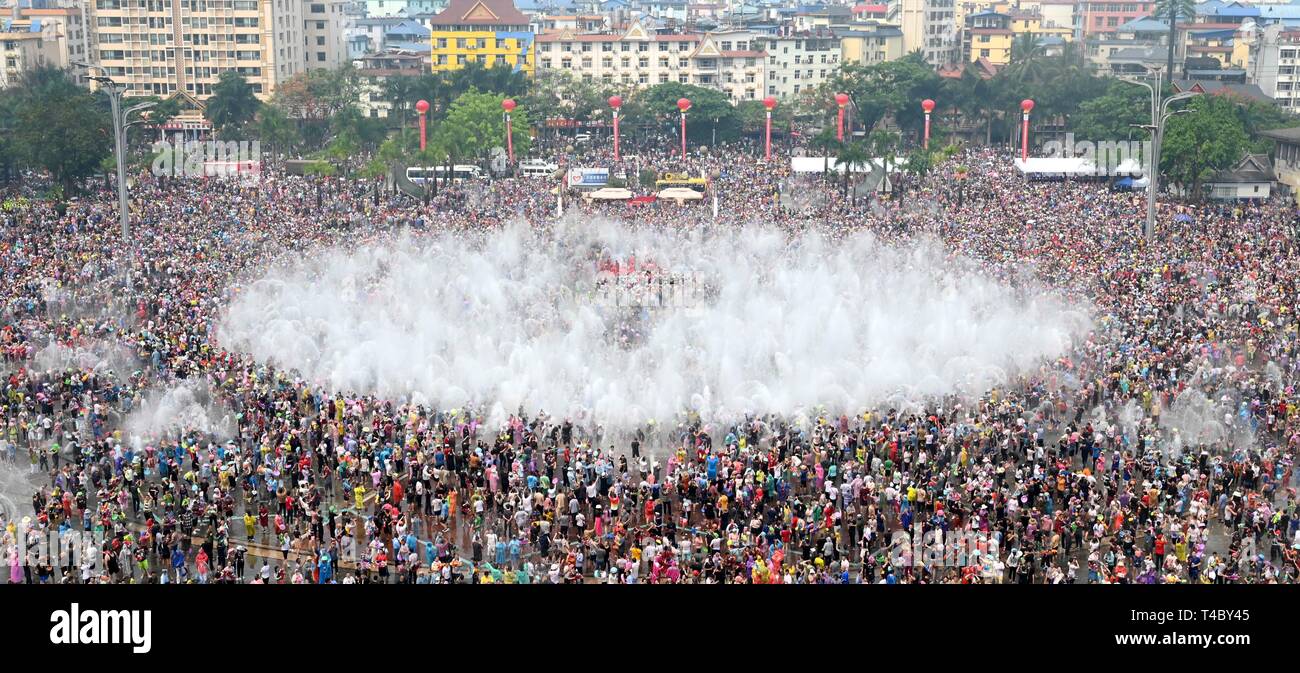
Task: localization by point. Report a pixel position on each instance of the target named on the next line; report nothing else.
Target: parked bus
(460, 172)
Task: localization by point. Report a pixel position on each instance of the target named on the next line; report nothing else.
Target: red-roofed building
(864, 11)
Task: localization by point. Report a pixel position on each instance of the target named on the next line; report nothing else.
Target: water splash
(789, 325)
(188, 406)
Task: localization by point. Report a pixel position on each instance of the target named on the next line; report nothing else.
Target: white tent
(609, 194)
(680, 194)
(817, 164)
(1078, 167)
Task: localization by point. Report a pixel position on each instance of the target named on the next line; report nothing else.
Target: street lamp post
(115, 91)
(1153, 173)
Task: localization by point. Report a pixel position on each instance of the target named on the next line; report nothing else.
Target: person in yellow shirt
(360, 494)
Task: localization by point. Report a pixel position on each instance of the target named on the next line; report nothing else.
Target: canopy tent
(609, 194)
(680, 194)
(818, 164)
(1077, 167)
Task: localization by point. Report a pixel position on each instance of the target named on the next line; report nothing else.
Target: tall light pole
(1153, 173)
(1153, 87)
(115, 92)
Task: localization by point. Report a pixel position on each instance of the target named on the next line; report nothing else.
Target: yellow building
(987, 35)
(490, 32)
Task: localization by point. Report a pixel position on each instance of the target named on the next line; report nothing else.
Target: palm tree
(401, 92)
(851, 154)
(970, 97)
(826, 142)
(1172, 10)
(1024, 47)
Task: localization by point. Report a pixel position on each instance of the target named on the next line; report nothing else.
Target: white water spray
(511, 323)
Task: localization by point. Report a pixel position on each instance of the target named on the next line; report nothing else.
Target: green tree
(58, 126)
(275, 129)
(851, 155)
(893, 88)
(1210, 138)
(710, 109)
(1112, 116)
(475, 124)
(827, 143)
(970, 96)
(232, 104)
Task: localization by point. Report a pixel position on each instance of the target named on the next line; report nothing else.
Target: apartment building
(1098, 19)
(164, 47)
(62, 29)
(638, 57)
(732, 62)
(797, 62)
(987, 35)
(490, 32)
(325, 28)
(20, 51)
(868, 44)
(930, 26)
(1273, 62)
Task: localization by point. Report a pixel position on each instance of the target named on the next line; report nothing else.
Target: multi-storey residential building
(729, 61)
(638, 57)
(64, 39)
(582, 23)
(325, 33)
(165, 47)
(490, 32)
(868, 44)
(930, 26)
(870, 11)
(374, 69)
(1099, 18)
(987, 35)
(797, 62)
(20, 51)
(1273, 62)
(1057, 14)
(402, 8)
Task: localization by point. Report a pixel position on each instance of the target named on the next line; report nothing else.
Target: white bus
(460, 172)
(536, 168)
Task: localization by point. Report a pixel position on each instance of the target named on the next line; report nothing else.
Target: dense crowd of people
(1159, 449)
